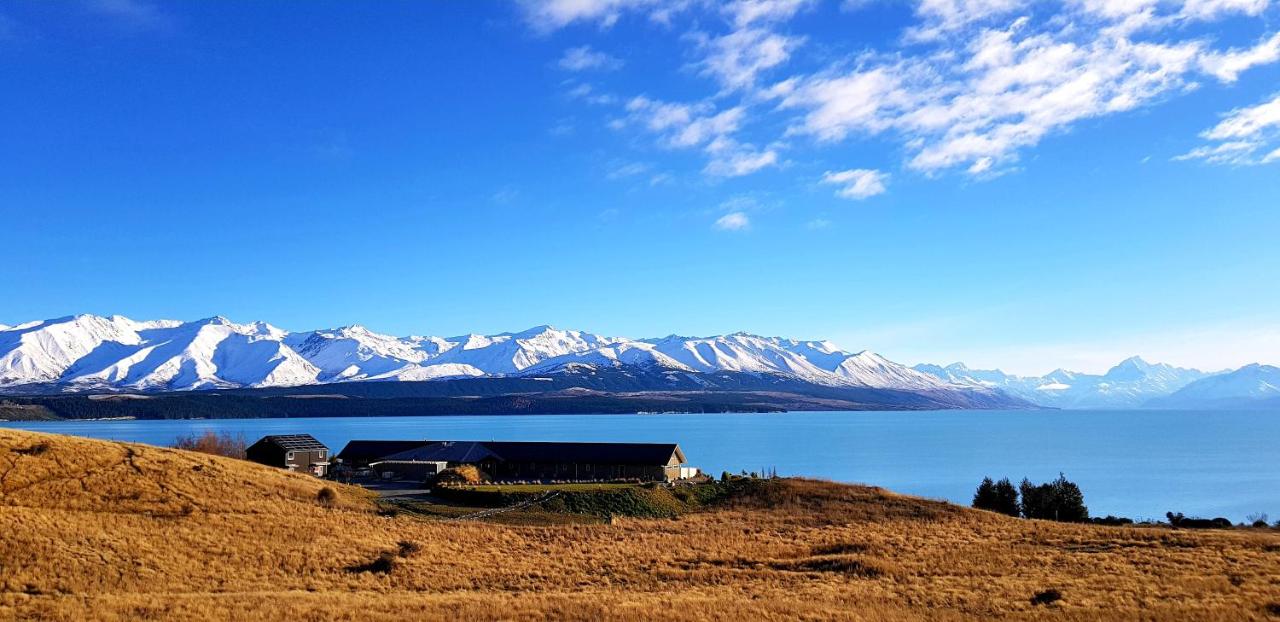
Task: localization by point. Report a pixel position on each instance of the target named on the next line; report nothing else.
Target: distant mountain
(115, 354)
(1130, 384)
(1252, 386)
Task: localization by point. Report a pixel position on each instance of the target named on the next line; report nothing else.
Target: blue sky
(1017, 184)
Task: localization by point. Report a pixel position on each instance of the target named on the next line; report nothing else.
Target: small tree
(211, 442)
(1006, 498)
(998, 496)
(985, 497)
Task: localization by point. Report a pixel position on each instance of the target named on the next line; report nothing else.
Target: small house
(295, 452)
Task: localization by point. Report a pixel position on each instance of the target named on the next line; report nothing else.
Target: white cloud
(736, 59)
(1214, 9)
(1227, 66)
(979, 103)
(1248, 122)
(700, 125)
(548, 15)
(1241, 135)
(587, 93)
(971, 87)
(733, 221)
(858, 183)
(744, 13)
(583, 58)
(729, 158)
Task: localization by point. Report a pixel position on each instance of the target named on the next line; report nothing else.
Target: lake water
(1130, 463)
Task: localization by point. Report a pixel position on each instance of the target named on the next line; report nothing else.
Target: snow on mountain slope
(355, 352)
(868, 369)
(1129, 384)
(512, 353)
(1248, 387)
(44, 351)
(206, 354)
(620, 354)
(411, 373)
(93, 352)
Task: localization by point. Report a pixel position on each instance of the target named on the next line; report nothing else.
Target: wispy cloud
(733, 221)
(136, 15)
(584, 58)
(857, 183)
(971, 86)
(545, 16)
(1242, 135)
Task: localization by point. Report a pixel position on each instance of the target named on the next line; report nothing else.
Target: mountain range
(1130, 384)
(90, 353)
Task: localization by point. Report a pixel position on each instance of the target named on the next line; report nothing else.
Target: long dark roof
(446, 451)
(293, 442)
(649, 454)
(365, 450)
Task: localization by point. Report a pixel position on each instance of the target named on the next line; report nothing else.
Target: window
(288, 456)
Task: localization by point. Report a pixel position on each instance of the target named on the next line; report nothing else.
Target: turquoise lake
(1138, 464)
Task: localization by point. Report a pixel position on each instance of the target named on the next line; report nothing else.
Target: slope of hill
(1129, 384)
(1250, 387)
(163, 535)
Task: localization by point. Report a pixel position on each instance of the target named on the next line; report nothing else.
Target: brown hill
(113, 531)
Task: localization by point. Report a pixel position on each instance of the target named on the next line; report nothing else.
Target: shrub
(1046, 597)
(327, 496)
(1059, 500)
(1176, 519)
(211, 442)
(998, 496)
(408, 548)
(1258, 520)
(463, 475)
(383, 564)
(34, 450)
(1113, 521)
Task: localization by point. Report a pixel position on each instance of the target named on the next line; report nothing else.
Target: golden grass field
(93, 530)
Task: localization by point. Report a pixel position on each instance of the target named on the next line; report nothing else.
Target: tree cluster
(1058, 500)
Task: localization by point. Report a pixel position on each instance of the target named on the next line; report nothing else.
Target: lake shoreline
(1138, 464)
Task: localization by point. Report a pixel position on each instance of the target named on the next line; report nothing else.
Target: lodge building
(518, 461)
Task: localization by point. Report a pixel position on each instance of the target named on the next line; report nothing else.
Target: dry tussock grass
(77, 542)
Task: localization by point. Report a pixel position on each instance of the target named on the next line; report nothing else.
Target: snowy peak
(1129, 384)
(869, 369)
(1250, 384)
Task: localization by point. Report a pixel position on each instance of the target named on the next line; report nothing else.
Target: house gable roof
(293, 442)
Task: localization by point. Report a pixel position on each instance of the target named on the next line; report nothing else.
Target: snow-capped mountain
(88, 351)
(92, 352)
(1129, 384)
(1251, 386)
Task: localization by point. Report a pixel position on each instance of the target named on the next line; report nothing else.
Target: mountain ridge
(117, 354)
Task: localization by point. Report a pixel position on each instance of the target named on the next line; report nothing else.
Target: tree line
(1058, 500)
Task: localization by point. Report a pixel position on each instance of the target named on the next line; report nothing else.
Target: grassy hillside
(100, 530)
